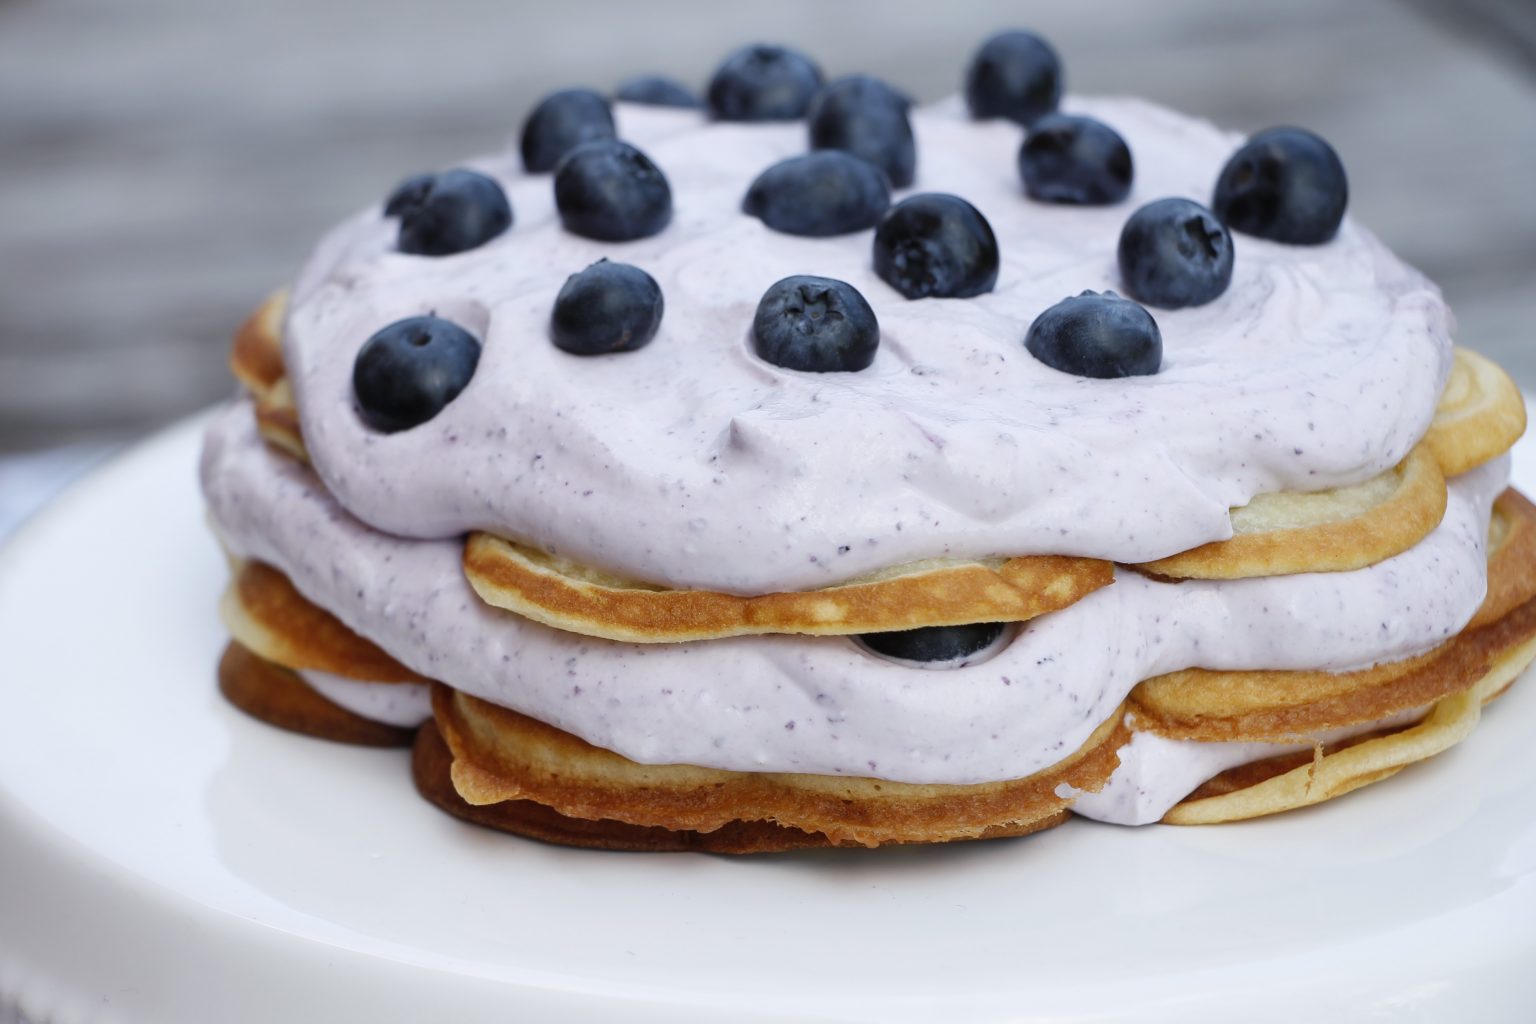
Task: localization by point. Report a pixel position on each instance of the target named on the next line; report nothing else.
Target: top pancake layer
(1276, 534)
(693, 464)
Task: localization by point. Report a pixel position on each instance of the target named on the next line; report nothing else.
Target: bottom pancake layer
(278, 696)
(1304, 778)
(497, 768)
(500, 755)
(432, 766)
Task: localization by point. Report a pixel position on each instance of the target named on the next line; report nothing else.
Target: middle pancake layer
(825, 705)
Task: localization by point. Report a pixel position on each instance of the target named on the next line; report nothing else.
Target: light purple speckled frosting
(692, 463)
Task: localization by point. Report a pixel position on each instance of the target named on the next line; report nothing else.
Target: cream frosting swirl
(826, 705)
(692, 463)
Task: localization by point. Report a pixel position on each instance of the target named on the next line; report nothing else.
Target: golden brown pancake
(267, 614)
(431, 768)
(1299, 780)
(566, 596)
(1480, 416)
(1200, 704)
(500, 755)
(278, 696)
(1326, 531)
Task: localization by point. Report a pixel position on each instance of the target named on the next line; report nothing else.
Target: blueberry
(1014, 75)
(934, 643)
(441, 214)
(407, 372)
(936, 245)
(657, 91)
(562, 121)
(864, 116)
(609, 307)
(1078, 160)
(611, 191)
(816, 324)
(819, 194)
(1287, 185)
(408, 194)
(763, 83)
(1097, 335)
(1175, 253)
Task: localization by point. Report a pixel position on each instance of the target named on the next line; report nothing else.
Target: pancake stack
(704, 592)
(495, 767)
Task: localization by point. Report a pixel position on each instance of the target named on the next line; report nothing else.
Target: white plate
(166, 860)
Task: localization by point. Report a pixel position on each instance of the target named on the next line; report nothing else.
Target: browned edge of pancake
(515, 579)
(264, 610)
(501, 755)
(278, 696)
(1409, 515)
(1480, 416)
(1207, 705)
(431, 767)
(1511, 558)
(1288, 783)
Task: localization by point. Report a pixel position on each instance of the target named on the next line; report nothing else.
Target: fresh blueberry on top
(934, 643)
(408, 194)
(1097, 335)
(441, 214)
(763, 83)
(819, 194)
(936, 245)
(1287, 185)
(1067, 159)
(562, 121)
(406, 373)
(609, 307)
(816, 324)
(1014, 75)
(1175, 253)
(610, 191)
(657, 91)
(862, 115)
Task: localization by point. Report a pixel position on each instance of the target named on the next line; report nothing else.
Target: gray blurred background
(165, 163)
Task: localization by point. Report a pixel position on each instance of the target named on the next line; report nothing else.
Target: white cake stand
(166, 860)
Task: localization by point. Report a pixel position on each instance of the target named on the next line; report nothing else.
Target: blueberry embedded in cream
(1286, 185)
(1075, 160)
(1097, 335)
(818, 195)
(934, 643)
(763, 82)
(610, 191)
(816, 324)
(934, 245)
(409, 371)
(1175, 253)
(1016, 75)
(562, 121)
(447, 213)
(657, 91)
(608, 307)
(861, 115)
